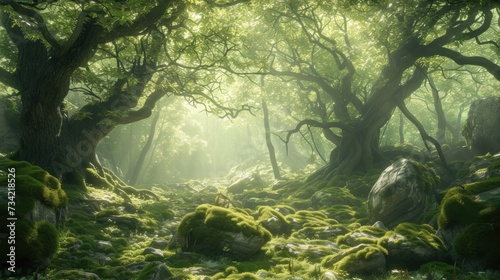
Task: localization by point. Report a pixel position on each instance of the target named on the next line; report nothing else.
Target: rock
(159, 243)
(404, 191)
(412, 245)
(273, 221)
(75, 275)
(101, 258)
(184, 258)
(362, 235)
(155, 271)
(254, 202)
(380, 225)
(313, 250)
(481, 128)
(103, 245)
(251, 181)
(153, 251)
(214, 230)
(360, 260)
(469, 223)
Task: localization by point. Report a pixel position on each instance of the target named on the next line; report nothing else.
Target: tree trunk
(270, 147)
(401, 129)
(441, 118)
(134, 177)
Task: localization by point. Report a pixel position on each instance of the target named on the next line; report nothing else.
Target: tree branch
(41, 26)
(425, 137)
(9, 79)
(460, 59)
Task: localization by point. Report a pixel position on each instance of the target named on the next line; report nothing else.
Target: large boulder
(214, 230)
(481, 128)
(403, 192)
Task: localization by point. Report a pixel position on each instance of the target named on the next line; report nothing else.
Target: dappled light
(238, 139)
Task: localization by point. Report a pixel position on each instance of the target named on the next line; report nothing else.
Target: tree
(360, 61)
(123, 56)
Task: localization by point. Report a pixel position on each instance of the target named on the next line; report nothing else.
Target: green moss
(312, 218)
(307, 190)
(264, 213)
(420, 235)
(86, 263)
(158, 210)
(459, 206)
(482, 186)
(205, 226)
(243, 276)
(480, 240)
(350, 257)
(36, 241)
(92, 177)
(362, 235)
(107, 213)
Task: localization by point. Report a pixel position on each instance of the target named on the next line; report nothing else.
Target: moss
(264, 213)
(93, 178)
(107, 213)
(159, 211)
(36, 241)
(362, 235)
(346, 259)
(311, 218)
(342, 213)
(420, 235)
(146, 271)
(482, 186)
(459, 206)
(481, 241)
(86, 263)
(204, 227)
(441, 270)
(243, 276)
(308, 190)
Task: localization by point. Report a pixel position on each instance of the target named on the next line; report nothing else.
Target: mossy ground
(312, 235)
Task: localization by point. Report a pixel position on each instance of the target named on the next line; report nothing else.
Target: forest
(249, 139)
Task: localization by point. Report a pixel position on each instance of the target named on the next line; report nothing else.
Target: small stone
(159, 243)
(153, 251)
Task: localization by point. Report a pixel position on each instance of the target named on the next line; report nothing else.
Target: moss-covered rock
(481, 127)
(38, 203)
(214, 230)
(75, 275)
(251, 181)
(404, 191)
(362, 235)
(272, 220)
(360, 260)
(478, 243)
(411, 245)
(154, 271)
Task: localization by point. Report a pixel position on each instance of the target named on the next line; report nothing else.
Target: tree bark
(441, 118)
(134, 177)
(269, 143)
(401, 129)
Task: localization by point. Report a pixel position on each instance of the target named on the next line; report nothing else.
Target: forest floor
(107, 236)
